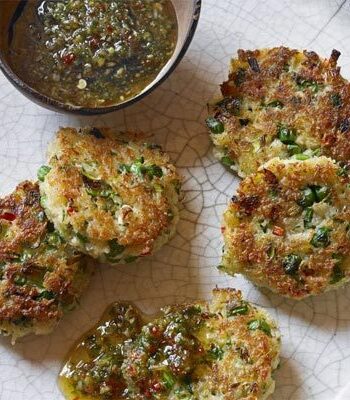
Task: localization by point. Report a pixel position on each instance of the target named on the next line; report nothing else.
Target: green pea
(308, 197)
(286, 135)
(42, 172)
(321, 192)
(227, 161)
(43, 200)
(215, 126)
(291, 264)
(321, 237)
(259, 324)
(309, 214)
(154, 170)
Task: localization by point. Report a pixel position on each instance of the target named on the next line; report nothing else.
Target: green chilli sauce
(92, 53)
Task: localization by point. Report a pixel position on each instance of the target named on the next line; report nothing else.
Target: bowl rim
(49, 102)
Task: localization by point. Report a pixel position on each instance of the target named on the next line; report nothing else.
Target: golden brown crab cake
(224, 349)
(41, 276)
(288, 227)
(110, 198)
(280, 102)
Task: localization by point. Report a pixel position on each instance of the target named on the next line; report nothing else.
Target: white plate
(316, 332)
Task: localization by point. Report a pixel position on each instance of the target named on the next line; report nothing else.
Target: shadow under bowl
(187, 12)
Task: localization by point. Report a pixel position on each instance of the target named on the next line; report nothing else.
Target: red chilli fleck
(278, 231)
(8, 216)
(68, 59)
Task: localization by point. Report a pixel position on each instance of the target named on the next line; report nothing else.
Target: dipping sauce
(92, 53)
(93, 367)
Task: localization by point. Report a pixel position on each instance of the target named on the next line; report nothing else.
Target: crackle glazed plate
(316, 332)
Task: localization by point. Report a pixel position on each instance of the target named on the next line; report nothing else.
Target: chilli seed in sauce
(92, 53)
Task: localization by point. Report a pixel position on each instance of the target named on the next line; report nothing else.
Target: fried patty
(109, 197)
(280, 102)
(225, 349)
(288, 227)
(41, 276)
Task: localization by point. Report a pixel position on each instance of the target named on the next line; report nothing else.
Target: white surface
(316, 332)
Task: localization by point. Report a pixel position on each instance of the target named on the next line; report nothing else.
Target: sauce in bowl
(92, 53)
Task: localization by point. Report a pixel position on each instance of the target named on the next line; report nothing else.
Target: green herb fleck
(215, 126)
(286, 135)
(20, 280)
(226, 160)
(309, 214)
(336, 100)
(242, 309)
(337, 274)
(293, 149)
(303, 83)
(215, 352)
(46, 294)
(321, 192)
(168, 380)
(301, 157)
(259, 324)
(115, 249)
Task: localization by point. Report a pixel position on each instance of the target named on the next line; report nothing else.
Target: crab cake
(110, 198)
(41, 276)
(225, 349)
(288, 227)
(280, 102)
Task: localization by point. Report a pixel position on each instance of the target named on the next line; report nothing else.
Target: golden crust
(267, 222)
(276, 86)
(138, 206)
(41, 276)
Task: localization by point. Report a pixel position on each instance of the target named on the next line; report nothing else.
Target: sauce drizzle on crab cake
(288, 227)
(223, 349)
(41, 275)
(280, 102)
(111, 198)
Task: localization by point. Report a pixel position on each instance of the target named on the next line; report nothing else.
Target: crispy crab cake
(288, 227)
(280, 102)
(225, 349)
(110, 198)
(41, 276)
